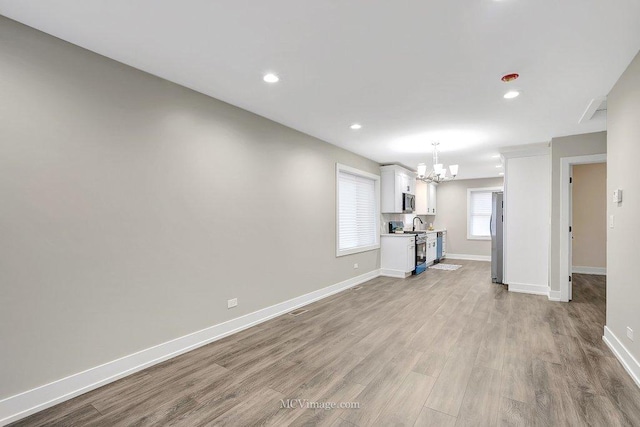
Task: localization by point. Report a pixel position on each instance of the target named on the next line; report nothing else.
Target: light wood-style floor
(446, 348)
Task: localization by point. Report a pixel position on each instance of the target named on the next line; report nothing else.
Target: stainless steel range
(421, 245)
(421, 250)
(421, 253)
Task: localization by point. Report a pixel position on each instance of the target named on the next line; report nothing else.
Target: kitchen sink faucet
(414, 222)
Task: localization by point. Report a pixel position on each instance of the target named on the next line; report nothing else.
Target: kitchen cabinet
(394, 181)
(425, 198)
(397, 255)
(421, 198)
(410, 260)
(431, 198)
(432, 249)
(408, 182)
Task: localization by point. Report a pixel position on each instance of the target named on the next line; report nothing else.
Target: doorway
(589, 231)
(584, 220)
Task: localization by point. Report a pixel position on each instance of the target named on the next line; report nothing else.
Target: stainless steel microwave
(408, 203)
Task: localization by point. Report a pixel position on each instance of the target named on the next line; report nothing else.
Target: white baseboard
(525, 288)
(600, 271)
(399, 274)
(469, 257)
(29, 402)
(629, 362)
(554, 295)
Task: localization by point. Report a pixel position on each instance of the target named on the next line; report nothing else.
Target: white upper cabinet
(421, 197)
(406, 181)
(394, 181)
(425, 198)
(431, 198)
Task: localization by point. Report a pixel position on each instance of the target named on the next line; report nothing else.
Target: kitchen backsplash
(407, 219)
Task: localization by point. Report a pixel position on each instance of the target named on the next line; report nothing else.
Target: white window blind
(358, 212)
(479, 213)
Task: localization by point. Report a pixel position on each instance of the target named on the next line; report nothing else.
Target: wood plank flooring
(445, 348)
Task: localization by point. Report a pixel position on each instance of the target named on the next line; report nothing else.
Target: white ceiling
(408, 71)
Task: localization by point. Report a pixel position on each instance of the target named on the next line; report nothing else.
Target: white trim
(505, 216)
(376, 179)
(29, 402)
(554, 295)
(591, 109)
(354, 171)
(469, 191)
(525, 288)
(359, 250)
(600, 271)
(566, 163)
(469, 257)
(399, 274)
(627, 360)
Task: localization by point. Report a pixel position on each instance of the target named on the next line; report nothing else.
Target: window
(358, 211)
(479, 212)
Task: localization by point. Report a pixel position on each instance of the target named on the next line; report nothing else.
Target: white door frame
(566, 167)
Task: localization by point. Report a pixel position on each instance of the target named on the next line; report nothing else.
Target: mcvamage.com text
(309, 404)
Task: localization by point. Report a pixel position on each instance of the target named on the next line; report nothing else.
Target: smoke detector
(507, 78)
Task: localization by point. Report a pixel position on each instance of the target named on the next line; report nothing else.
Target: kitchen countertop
(436, 230)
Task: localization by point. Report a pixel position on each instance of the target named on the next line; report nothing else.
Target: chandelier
(439, 172)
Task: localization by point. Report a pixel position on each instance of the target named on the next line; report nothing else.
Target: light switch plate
(611, 221)
(617, 196)
(630, 333)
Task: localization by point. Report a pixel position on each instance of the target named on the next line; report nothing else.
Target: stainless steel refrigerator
(497, 219)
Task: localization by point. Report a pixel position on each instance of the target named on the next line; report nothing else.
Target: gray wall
(567, 146)
(133, 208)
(452, 214)
(623, 270)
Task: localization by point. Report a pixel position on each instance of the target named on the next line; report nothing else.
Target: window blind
(356, 211)
(480, 213)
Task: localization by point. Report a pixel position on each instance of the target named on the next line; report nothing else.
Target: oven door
(421, 252)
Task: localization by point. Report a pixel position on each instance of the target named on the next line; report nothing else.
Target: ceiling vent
(596, 107)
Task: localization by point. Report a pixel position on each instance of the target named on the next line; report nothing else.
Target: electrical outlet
(630, 333)
(355, 265)
(232, 303)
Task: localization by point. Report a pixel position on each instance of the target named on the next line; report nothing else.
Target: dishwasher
(439, 247)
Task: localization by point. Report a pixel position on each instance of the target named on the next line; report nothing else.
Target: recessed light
(271, 78)
(496, 156)
(498, 166)
(356, 126)
(501, 173)
(511, 94)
